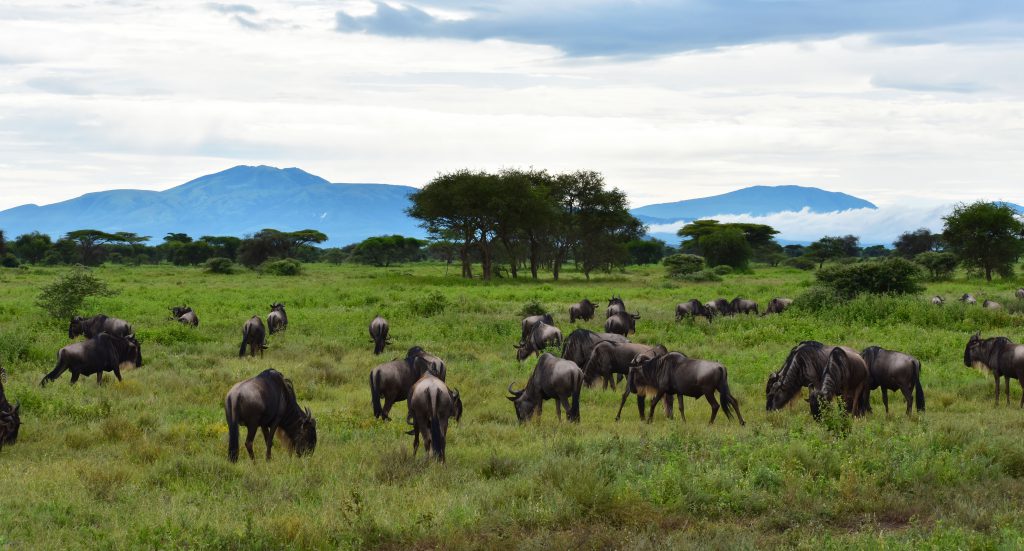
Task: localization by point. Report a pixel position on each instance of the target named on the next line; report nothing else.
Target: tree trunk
(988, 273)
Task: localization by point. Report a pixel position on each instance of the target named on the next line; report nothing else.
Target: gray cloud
(232, 8)
(912, 85)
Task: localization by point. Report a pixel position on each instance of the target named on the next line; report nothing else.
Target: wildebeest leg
(682, 412)
(625, 396)
(1022, 392)
(885, 399)
(668, 404)
(997, 390)
(74, 377)
(710, 396)
(117, 373)
(909, 395)
(641, 405)
(99, 380)
(415, 440)
(1007, 378)
(250, 435)
(558, 407)
(388, 402)
(268, 437)
(654, 403)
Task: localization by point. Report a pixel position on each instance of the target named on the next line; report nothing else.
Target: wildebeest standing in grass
(938, 301)
(743, 306)
(991, 305)
(541, 336)
(10, 419)
(622, 323)
(692, 308)
(1020, 293)
(100, 323)
(393, 380)
(846, 375)
(719, 307)
(1000, 356)
(186, 315)
(253, 335)
(891, 370)
(609, 358)
(277, 319)
(615, 306)
(104, 352)
(431, 405)
(267, 401)
(379, 329)
(579, 344)
(778, 305)
(552, 378)
(968, 299)
(582, 310)
(803, 367)
(529, 321)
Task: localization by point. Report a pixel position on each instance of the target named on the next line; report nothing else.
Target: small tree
(833, 248)
(219, 265)
(727, 246)
(986, 236)
(889, 276)
(939, 265)
(63, 298)
(912, 243)
(679, 265)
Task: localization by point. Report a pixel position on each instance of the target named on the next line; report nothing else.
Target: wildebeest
(253, 335)
(1020, 293)
(742, 306)
(268, 401)
(692, 308)
(379, 333)
(609, 358)
(277, 319)
(581, 342)
(803, 367)
(665, 373)
(622, 323)
(529, 321)
(891, 370)
(845, 375)
(938, 301)
(968, 299)
(90, 327)
(1000, 356)
(10, 420)
(552, 378)
(719, 307)
(615, 306)
(393, 380)
(104, 352)
(541, 336)
(991, 305)
(431, 404)
(778, 305)
(186, 315)
(582, 310)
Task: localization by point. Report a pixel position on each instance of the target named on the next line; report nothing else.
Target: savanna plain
(143, 463)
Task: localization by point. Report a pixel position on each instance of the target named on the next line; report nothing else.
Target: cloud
(896, 83)
(232, 8)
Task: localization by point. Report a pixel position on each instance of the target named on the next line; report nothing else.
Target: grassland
(142, 464)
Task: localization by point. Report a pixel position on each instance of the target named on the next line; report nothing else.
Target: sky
(911, 104)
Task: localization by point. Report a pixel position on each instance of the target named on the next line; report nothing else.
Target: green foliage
(731, 244)
(939, 265)
(219, 265)
(270, 243)
(816, 298)
(679, 265)
(334, 255)
(64, 298)
(701, 276)
(722, 269)
(889, 276)
(32, 247)
(283, 267)
(387, 249)
(430, 304)
(8, 260)
(532, 308)
(727, 246)
(833, 248)
(645, 251)
(986, 236)
(801, 263)
(835, 419)
(913, 243)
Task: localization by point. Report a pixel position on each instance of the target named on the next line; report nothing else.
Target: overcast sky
(907, 103)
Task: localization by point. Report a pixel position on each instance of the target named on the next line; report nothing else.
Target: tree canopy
(986, 236)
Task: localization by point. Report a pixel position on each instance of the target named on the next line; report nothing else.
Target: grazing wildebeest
(804, 367)
(661, 373)
(582, 310)
(938, 301)
(186, 315)
(1020, 293)
(1000, 356)
(541, 336)
(609, 358)
(692, 308)
(622, 323)
(991, 305)
(892, 370)
(719, 307)
(968, 299)
(778, 305)
(104, 352)
(581, 342)
(529, 321)
(742, 306)
(277, 319)
(268, 401)
(394, 379)
(431, 404)
(10, 420)
(615, 306)
(379, 333)
(846, 375)
(90, 327)
(253, 335)
(554, 378)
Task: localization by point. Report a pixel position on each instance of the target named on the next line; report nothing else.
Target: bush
(285, 267)
(63, 298)
(701, 276)
(532, 308)
(723, 269)
(890, 276)
(431, 304)
(801, 263)
(9, 261)
(219, 265)
(939, 265)
(816, 298)
(679, 265)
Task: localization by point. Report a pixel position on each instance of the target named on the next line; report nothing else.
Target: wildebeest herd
(268, 401)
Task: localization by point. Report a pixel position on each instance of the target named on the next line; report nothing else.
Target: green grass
(143, 464)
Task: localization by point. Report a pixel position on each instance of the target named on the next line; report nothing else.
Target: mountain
(237, 201)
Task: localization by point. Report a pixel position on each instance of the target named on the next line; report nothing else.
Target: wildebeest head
(522, 351)
(77, 327)
(783, 385)
(970, 349)
(615, 300)
(523, 403)
(10, 423)
(277, 306)
(179, 311)
(456, 403)
(305, 440)
(645, 357)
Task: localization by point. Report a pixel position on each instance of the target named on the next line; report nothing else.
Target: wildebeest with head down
(100, 323)
(379, 329)
(267, 401)
(719, 307)
(803, 367)
(578, 346)
(991, 305)
(431, 405)
(277, 319)
(846, 375)
(692, 308)
(541, 336)
(778, 305)
(742, 306)
(938, 301)
(891, 370)
(1000, 356)
(186, 315)
(609, 358)
(968, 299)
(615, 306)
(552, 378)
(253, 335)
(582, 310)
(529, 321)
(10, 420)
(393, 380)
(622, 323)
(104, 352)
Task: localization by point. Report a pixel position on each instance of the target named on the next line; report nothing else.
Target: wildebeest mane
(803, 359)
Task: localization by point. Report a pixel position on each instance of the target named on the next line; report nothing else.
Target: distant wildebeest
(778, 305)
(581, 342)
(90, 327)
(10, 420)
(890, 370)
(104, 352)
(431, 404)
(1020, 293)
(186, 315)
(393, 380)
(582, 310)
(1000, 356)
(692, 308)
(253, 335)
(938, 301)
(541, 336)
(719, 307)
(610, 358)
(379, 329)
(742, 306)
(803, 367)
(529, 321)
(552, 378)
(615, 306)
(268, 401)
(968, 299)
(622, 323)
(277, 319)
(991, 305)
(660, 373)
(846, 375)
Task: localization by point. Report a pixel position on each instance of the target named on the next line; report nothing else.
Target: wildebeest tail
(574, 409)
(918, 391)
(375, 395)
(436, 436)
(723, 393)
(232, 430)
(245, 339)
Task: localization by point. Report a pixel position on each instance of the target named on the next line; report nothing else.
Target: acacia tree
(833, 247)
(912, 243)
(731, 244)
(985, 235)
(89, 242)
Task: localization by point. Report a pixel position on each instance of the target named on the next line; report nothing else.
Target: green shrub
(63, 298)
(9, 261)
(679, 265)
(816, 298)
(801, 263)
(432, 304)
(284, 267)
(889, 276)
(219, 265)
(939, 265)
(722, 269)
(701, 276)
(532, 308)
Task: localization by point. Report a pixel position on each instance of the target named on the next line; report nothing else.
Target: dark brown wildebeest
(991, 305)
(253, 335)
(804, 367)
(552, 378)
(431, 405)
(104, 352)
(529, 321)
(268, 401)
(394, 379)
(90, 327)
(379, 329)
(846, 375)
(742, 306)
(1000, 356)
(610, 358)
(692, 308)
(10, 420)
(968, 299)
(778, 305)
(1020, 293)
(582, 310)
(938, 301)
(718, 307)
(890, 370)
(581, 343)
(615, 306)
(622, 323)
(277, 319)
(541, 336)
(186, 315)
(673, 374)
